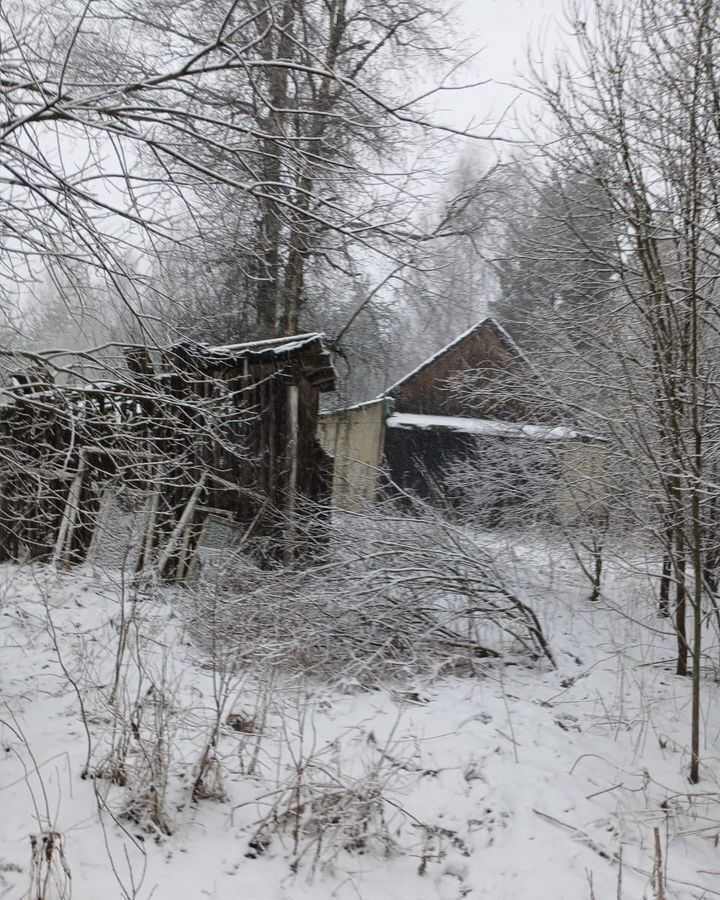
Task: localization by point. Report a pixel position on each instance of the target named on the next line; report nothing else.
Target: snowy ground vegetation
(187, 743)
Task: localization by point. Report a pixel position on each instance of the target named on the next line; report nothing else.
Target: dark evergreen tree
(555, 260)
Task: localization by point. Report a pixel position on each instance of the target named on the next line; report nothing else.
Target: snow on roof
(276, 345)
(485, 427)
(488, 320)
(310, 348)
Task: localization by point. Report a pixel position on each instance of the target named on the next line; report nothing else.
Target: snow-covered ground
(523, 782)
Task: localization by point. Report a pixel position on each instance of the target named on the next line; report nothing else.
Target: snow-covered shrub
(49, 872)
(226, 678)
(389, 595)
(331, 800)
(139, 707)
(323, 813)
(149, 761)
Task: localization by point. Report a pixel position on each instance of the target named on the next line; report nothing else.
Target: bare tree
(268, 139)
(635, 112)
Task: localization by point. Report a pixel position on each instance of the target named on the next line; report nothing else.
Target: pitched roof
(488, 321)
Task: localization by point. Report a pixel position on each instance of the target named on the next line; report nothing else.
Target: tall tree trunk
(681, 606)
(267, 296)
(665, 582)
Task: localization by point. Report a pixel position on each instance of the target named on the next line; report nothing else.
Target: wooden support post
(183, 552)
(293, 450)
(145, 555)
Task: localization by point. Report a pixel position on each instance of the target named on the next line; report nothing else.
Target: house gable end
(487, 362)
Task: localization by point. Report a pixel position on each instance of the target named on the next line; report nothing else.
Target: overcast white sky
(500, 30)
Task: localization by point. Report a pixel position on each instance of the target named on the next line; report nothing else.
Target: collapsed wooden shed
(160, 458)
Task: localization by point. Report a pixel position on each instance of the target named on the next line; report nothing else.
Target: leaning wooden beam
(183, 553)
(148, 537)
(182, 524)
(238, 488)
(63, 544)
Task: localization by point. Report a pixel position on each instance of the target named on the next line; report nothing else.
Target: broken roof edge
(296, 340)
(321, 373)
(486, 320)
(309, 349)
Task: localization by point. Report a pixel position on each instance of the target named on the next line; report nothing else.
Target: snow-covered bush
(150, 760)
(334, 798)
(389, 595)
(323, 812)
(130, 698)
(49, 872)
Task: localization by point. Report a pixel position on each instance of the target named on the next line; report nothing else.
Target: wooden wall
(485, 358)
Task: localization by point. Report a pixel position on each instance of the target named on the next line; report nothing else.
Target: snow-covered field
(522, 782)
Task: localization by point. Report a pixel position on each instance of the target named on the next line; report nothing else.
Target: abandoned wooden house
(469, 401)
(162, 459)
